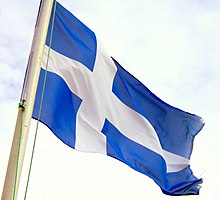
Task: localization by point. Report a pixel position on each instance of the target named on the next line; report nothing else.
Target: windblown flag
(93, 104)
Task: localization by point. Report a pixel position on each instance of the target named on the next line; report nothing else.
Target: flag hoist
(16, 158)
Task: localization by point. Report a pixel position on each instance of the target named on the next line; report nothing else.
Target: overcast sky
(172, 46)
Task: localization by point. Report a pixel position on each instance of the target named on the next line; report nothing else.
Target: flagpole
(16, 157)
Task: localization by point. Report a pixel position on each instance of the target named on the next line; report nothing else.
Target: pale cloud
(17, 25)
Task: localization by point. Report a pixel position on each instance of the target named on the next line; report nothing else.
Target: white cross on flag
(93, 105)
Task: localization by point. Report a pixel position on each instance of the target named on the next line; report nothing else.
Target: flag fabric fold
(93, 104)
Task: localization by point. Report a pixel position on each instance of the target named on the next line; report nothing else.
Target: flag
(93, 104)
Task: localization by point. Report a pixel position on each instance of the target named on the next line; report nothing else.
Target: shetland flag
(93, 104)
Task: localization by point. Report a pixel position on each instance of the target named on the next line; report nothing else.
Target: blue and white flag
(93, 104)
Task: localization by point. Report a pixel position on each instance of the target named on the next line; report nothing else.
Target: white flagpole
(15, 163)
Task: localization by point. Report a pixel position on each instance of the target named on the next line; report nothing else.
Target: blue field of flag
(93, 104)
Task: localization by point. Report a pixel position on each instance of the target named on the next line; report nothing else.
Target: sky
(171, 46)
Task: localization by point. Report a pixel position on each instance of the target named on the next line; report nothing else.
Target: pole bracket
(22, 105)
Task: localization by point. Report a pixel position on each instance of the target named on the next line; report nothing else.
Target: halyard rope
(41, 101)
